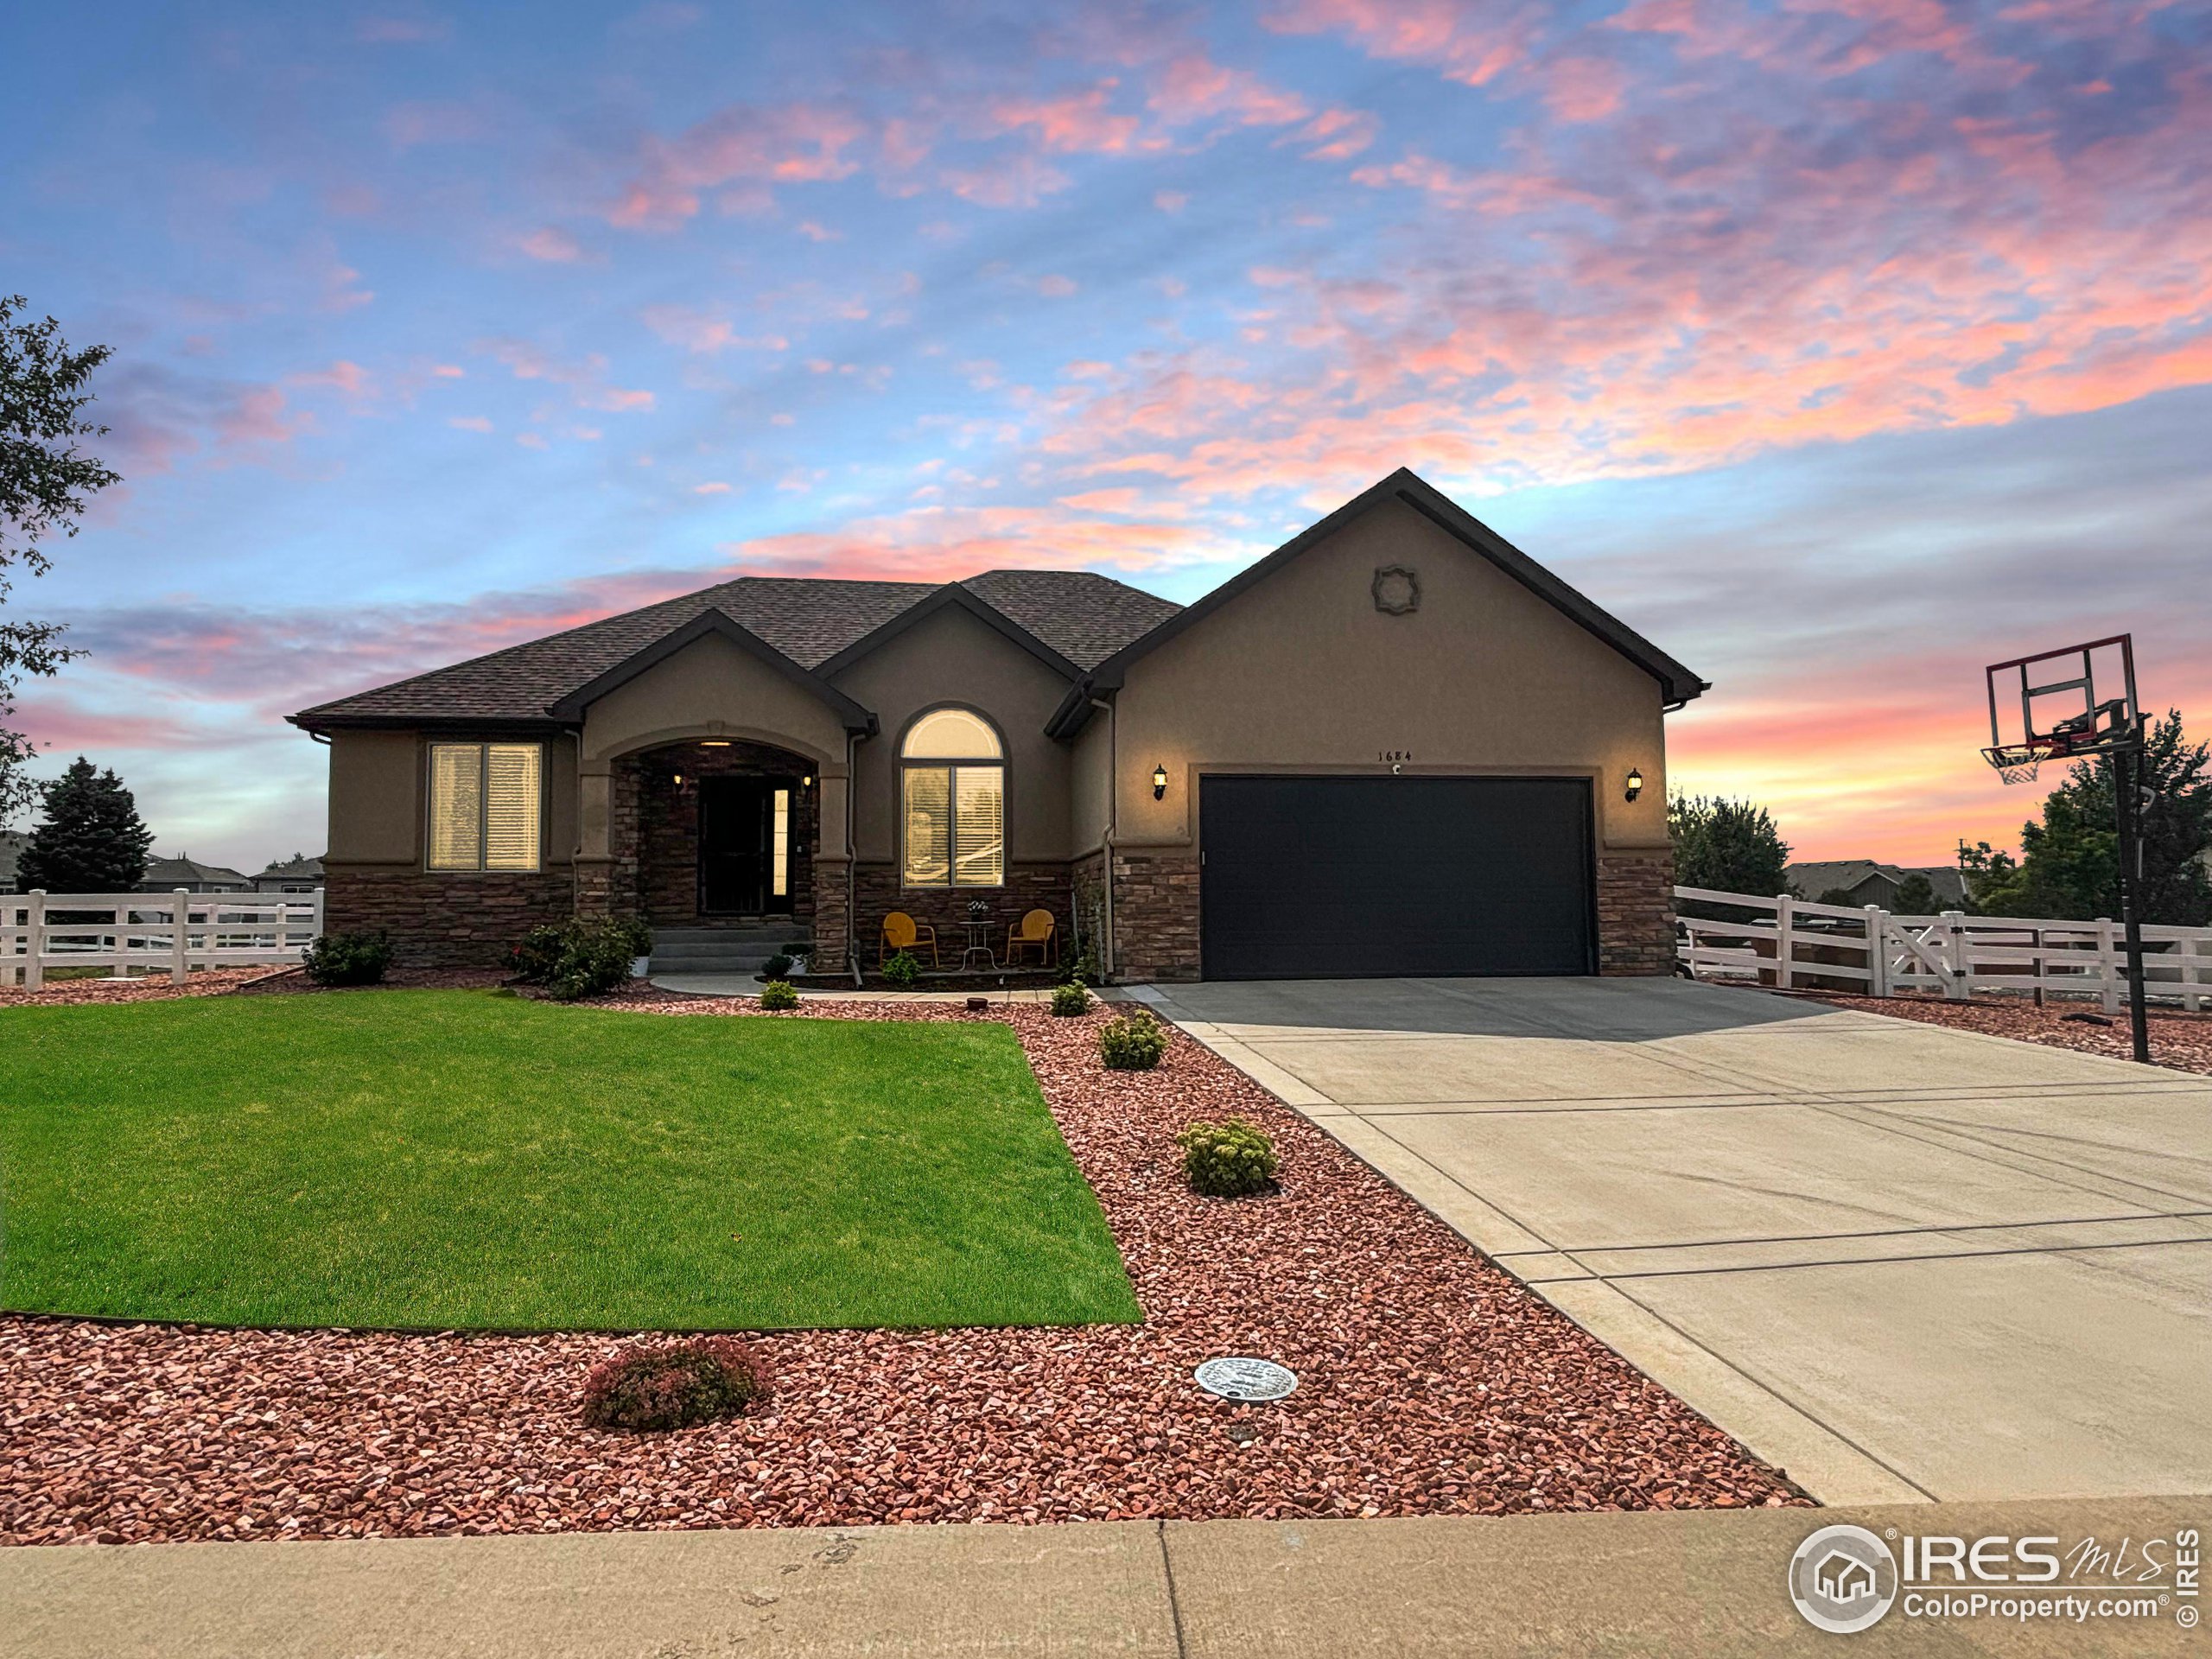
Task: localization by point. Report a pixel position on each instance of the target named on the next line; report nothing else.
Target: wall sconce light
(677, 778)
(714, 742)
(807, 782)
(1634, 782)
(1160, 782)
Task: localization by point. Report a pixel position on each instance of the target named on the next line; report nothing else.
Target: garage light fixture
(1634, 782)
(714, 742)
(1160, 782)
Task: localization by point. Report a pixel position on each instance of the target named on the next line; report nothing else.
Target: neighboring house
(1396, 745)
(167, 874)
(296, 875)
(12, 842)
(1871, 883)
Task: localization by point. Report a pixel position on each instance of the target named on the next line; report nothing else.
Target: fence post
(1784, 944)
(2107, 965)
(180, 953)
(35, 938)
(1959, 988)
(1878, 951)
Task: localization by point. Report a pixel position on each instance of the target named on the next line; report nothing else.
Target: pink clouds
(552, 244)
(1192, 87)
(1072, 122)
(741, 152)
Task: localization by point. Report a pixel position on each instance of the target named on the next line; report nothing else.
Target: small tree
(90, 839)
(1731, 846)
(45, 481)
(2068, 866)
(1916, 896)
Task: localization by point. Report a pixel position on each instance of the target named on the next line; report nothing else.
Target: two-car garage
(1367, 876)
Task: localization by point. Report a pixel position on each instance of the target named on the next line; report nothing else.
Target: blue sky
(1841, 347)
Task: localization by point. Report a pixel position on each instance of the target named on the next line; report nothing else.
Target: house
(1396, 745)
(167, 874)
(297, 873)
(1867, 882)
(1844, 1578)
(12, 842)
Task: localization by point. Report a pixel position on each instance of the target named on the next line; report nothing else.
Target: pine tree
(90, 839)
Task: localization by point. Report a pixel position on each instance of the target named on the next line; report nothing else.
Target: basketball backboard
(2059, 705)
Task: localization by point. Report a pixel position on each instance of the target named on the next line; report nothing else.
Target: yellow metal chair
(1035, 930)
(902, 932)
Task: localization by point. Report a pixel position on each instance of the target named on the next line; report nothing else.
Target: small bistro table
(979, 937)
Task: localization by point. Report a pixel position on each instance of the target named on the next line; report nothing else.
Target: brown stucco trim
(711, 621)
(953, 595)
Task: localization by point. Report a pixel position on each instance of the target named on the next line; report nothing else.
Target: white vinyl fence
(1792, 943)
(140, 933)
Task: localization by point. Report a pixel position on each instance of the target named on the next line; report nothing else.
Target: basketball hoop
(2061, 717)
(2016, 763)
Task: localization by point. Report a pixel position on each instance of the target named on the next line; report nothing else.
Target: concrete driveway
(1901, 1262)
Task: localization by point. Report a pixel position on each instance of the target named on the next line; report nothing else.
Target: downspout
(852, 861)
(1106, 840)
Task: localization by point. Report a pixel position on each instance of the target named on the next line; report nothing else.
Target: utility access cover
(1246, 1379)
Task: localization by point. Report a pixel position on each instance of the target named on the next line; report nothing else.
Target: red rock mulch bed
(2182, 1041)
(1430, 1383)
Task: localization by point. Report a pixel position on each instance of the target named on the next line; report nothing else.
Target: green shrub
(539, 953)
(582, 957)
(344, 958)
(903, 970)
(596, 959)
(1070, 999)
(1132, 1042)
(777, 967)
(1228, 1160)
(777, 994)
(674, 1385)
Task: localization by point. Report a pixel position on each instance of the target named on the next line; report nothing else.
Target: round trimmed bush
(1070, 999)
(677, 1384)
(777, 994)
(1132, 1041)
(1228, 1160)
(344, 958)
(903, 971)
(777, 967)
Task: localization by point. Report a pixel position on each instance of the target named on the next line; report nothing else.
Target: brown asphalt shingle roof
(1084, 617)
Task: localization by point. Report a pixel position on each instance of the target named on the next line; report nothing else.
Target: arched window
(952, 802)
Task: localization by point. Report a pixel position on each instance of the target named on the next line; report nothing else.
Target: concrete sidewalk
(1705, 1583)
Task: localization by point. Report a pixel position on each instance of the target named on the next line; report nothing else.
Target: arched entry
(724, 832)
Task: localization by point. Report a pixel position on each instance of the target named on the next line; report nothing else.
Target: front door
(745, 846)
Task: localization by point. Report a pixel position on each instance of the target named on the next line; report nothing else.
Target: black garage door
(1342, 877)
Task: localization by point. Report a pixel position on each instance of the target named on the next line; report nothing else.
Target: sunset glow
(1838, 346)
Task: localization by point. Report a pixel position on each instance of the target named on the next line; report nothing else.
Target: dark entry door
(737, 846)
(1344, 878)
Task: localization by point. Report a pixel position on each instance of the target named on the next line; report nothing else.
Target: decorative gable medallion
(1397, 590)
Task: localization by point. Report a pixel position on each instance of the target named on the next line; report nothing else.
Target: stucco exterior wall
(1303, 672)
(378, 795)
(952, 658)
(712, 687)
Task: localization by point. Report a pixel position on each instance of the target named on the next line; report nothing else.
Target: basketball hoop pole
(2127, 804)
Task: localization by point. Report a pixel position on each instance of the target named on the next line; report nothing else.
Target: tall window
(484, 806)
(952, 802)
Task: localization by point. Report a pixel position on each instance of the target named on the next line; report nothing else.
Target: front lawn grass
(463, 1160)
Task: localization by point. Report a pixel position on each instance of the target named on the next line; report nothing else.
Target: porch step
(719, 949)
